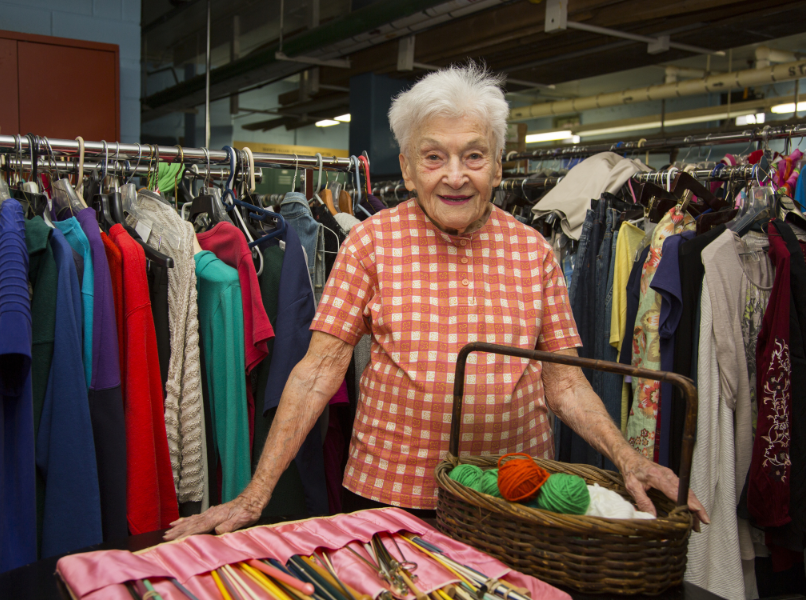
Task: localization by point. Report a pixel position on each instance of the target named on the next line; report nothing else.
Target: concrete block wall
(108, 21)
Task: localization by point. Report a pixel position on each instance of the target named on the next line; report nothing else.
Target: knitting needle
(306, 572)
(305, 588)
(183, 589)
(265, 582)
(331, 577)
(240, 584)
(233, 592)
(132, 592)
(219, 584)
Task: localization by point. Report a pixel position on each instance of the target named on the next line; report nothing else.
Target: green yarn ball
(563, 493)
(466, 474)
(488, 483)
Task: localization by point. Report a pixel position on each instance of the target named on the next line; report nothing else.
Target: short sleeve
(349, 288)
(558, 328)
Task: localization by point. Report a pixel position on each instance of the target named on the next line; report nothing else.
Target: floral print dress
(642, 422)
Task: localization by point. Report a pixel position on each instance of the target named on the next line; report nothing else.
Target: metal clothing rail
(70, 166)
(744, 172)
(150, 152)
(757, 134)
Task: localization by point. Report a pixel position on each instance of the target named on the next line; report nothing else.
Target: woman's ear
(499, 170)
(407, 170)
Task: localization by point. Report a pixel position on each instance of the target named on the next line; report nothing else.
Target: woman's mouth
(454, 200)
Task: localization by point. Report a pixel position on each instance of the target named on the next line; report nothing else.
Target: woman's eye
(433, 157)
(475, 156)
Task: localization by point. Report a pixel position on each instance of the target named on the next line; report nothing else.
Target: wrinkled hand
(641, 474)
(237, 513)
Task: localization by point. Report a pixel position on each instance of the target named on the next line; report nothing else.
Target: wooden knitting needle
(327, 576)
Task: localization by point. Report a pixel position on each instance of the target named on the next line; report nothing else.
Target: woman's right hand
(235, 514)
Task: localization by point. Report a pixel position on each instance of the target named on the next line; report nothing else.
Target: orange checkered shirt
(422, 295)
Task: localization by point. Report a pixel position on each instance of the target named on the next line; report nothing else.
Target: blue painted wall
(108, 21)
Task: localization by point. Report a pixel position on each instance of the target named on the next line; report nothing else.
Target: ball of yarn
(520, 479)
(466, 474)
(488, 483)
(563, 493)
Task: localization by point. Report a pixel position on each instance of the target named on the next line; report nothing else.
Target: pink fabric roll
(96, 575)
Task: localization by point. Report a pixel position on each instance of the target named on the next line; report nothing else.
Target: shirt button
(464, 261)
(465, 282)
(463, 242)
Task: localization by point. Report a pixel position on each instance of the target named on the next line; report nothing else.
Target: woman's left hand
(641, 474)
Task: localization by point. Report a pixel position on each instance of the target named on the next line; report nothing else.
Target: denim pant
(608, 385)
(583, 295)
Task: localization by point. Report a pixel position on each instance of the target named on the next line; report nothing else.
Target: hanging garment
(629, 236)
(633, 293)
(714, 559)
(65, 446)
(115, 260)
(78, 241)
(42, 277)
(740, 284)
(768, 481)
(297, 213)
(685, 347)
(797, 334)
(295, 312)
(158, 294)
(151, 497)
(18, 481)
(667, 283)
(646, 343)
(222, 332)
(346, 221)
(571, 197)
(106, 403)
(183, 401)
(229, 245)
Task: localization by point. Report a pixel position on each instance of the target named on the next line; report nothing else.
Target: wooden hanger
(345, 202)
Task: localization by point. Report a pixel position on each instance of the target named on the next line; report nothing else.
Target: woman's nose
(456, 174)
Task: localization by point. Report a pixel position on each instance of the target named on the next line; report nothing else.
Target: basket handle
(685, 384)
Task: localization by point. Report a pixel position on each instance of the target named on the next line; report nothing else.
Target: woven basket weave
(588, 554)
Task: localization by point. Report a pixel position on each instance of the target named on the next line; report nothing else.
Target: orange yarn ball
(520, 479)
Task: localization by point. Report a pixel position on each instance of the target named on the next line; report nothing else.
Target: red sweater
(115, 260)
(150, 493)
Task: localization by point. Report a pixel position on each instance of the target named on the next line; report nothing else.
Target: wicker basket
(588, 554)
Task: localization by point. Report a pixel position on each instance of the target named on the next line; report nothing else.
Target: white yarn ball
(608, 504)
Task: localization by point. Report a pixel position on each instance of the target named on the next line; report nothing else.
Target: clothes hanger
(358, 193)
(326, 194)
(260, 214)
(345, 200)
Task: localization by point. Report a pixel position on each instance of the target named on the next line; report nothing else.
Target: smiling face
(453, 165)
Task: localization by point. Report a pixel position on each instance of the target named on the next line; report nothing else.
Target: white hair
(456, 91)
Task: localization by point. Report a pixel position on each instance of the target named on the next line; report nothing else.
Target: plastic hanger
(358, 195)
(256, 212)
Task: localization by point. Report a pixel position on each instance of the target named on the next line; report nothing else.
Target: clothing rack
(148, 152)
(744, 172)
(757, 134)
(124, 168)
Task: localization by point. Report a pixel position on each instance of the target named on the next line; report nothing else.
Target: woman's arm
(309, 388)
(571, 398)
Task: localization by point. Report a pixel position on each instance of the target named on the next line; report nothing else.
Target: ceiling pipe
(690, 87)
(766, 56)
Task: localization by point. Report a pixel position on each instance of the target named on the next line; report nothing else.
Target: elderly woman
(424, 279)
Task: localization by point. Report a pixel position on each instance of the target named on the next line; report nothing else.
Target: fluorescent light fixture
(782, 109)
(344, 118)
(655, 123)
(326, 123)
(549, 136)
(751, 119)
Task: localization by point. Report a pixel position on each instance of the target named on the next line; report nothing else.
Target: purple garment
(17, 471)
(376, 203)
(667, 283)
(106, 401)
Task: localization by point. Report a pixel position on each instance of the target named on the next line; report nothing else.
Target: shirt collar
(451, 235)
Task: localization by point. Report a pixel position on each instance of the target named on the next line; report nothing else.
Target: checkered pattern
(423, 295)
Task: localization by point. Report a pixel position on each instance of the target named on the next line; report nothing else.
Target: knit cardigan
(183, 397)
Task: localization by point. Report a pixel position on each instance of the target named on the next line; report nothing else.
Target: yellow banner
(287, 149)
